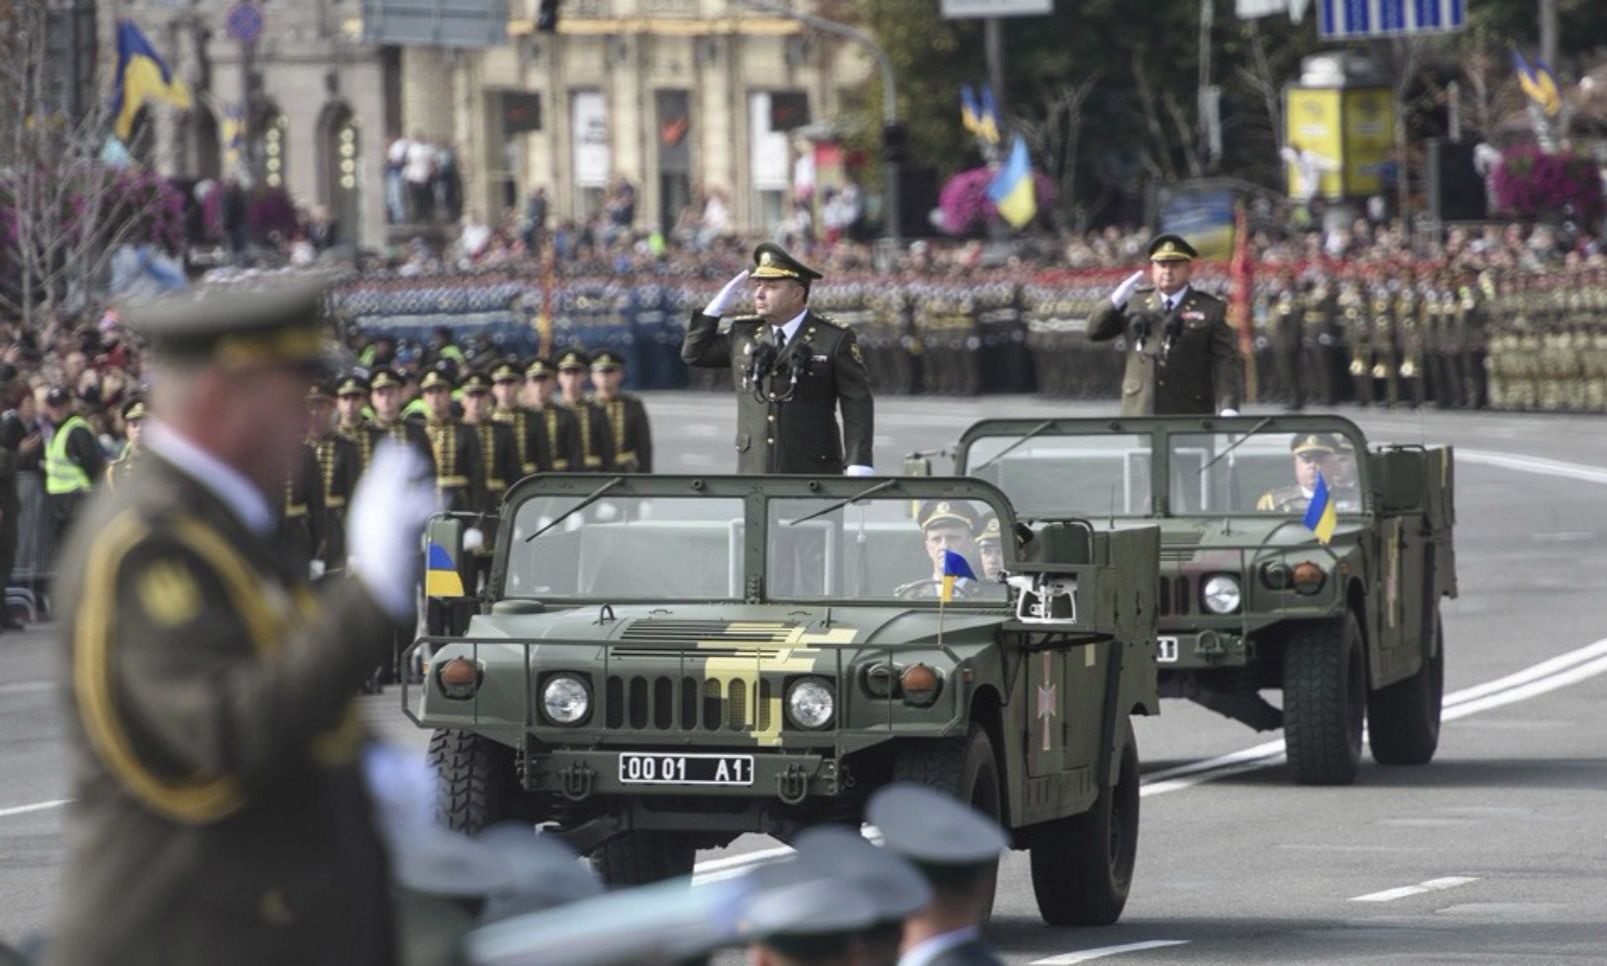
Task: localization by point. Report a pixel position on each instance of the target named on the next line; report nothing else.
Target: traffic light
(547, 16)
(895, 142)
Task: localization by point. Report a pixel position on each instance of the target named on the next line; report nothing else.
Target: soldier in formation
(338, 466)
(629, 431)
(561, 452)
(455, 448)
(596, 437)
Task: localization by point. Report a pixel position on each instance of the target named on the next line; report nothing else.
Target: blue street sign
(244, 22)
(1340, 19)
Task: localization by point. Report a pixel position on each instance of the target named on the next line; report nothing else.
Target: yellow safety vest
(62, 475)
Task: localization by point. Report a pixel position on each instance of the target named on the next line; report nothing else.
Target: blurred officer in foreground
(793, 369)
(897, 889)
(628, 426)
(1181, 359)
(957, 849)
(219, 811)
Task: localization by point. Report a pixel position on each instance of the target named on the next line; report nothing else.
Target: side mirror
(1044, 598)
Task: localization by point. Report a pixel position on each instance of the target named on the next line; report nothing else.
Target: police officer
(1181, 359)
(957, 849)
(223, 775)
(562, 427)
(73, 460)
(596, 440)
(459, 467)
(792, 369)
(133, 413)
(628, 425)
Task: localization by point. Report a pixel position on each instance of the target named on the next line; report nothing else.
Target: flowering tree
(1531, 183)
(965, 204)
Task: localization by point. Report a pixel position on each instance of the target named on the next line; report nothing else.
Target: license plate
(644, 768)
(1166, 650)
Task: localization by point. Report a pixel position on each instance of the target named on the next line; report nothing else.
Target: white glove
(857, 470)
(1125, 290)
(393, 501)
(473, 539)
(721, 304)
(1228, 412)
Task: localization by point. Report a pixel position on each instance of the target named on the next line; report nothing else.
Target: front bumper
(789, 778)
(1201, 649)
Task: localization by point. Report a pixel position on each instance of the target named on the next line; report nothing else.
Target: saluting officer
(627, 417)
(499, 451)
(459, 469)
(338, 469)
(1181, 359)
(214, 738)
(134, 412)
(562, 453)
(793, 370)
(529, 432)
(596, 440)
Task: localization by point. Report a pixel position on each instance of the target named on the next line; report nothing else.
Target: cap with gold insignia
(321, 389)
(606, 360)
(987, 531)
(1313, 443)
(572, 359)
(385, 378)
(1171, 248)
(134, 409)
(540, 368)
(476, 382)
(934, 513)
(772, 261)
(352, 384)
(278, 323)
(439, 377)
(505, 371)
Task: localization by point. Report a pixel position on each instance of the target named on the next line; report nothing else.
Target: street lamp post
(890, 127)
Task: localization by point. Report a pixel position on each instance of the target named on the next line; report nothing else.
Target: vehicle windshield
(882, 549)
(628, 548)
(1103, 475)
(1215, 473)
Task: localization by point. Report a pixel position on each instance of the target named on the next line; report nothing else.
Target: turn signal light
(1308, 577)
(921, 685)
(459, 678)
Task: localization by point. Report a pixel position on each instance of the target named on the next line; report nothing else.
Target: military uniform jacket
(118, 469)
(301, 514)
(630, 431)
(406, 431)
(219, 813)
(1199, 376)
(499, 455)
(338, 468)
(562, 452)
(529, 436)
(459, 467)
(596, 439)
(799, 435)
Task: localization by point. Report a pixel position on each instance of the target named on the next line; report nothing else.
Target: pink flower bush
(966, 206)
(1530, 183)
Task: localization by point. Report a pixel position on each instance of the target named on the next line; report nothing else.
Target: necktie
(778, 335)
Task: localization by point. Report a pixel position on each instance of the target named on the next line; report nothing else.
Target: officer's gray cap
(929, 827)
(896, 887)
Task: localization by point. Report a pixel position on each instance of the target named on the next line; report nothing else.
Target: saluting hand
(721, 303)
(1125, 290)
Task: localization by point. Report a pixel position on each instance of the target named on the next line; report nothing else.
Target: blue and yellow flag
(988, 117)
(1321, 517)
(970, 114)
(955, 568)
(142, 75)
(441, 577)
(1012, 190)
(1539, 84)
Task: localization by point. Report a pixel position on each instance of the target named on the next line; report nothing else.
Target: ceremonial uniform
(405, 431)
(529, 432)
(455, 450)
(354, 385)
(596, 436)
(560, 440)
(786, 415)
(336, 458)
(499, 451)
(628, 426)
(301, 515)
(1181, 360)
(134, 412)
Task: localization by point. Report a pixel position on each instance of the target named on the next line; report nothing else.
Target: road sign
(244, 22)
(1378, 18)
(968, 9)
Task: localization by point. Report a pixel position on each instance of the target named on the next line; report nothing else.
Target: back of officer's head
(954, 846)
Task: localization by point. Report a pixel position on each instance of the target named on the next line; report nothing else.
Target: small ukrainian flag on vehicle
(1321, 517)
(441, 577)
(955, 568)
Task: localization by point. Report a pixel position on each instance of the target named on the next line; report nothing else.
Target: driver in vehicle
(945, 525)
(1313, 453)
(990, 549)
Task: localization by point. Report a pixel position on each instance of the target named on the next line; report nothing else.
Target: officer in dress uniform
(596, 439)
(133, 412)
(561, 426)
(793, 369)
(338, 469)
(351, 420)
(301, 511)
(957, 849)
(499, 451)
(1313, 453)
(455, 448)
(223, 776)
(386, 390)
(627, 418)
(529, 431)
(1181, 359)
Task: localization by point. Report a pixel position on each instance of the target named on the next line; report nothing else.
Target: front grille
(1176, 597)
(687, 704)
(692, 632)
(666, 653)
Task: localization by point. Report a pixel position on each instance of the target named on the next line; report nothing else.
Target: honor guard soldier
(301, 513)
(385, 393)
(793, 370)
(214, 737)
(1323, 350)
(596, 440)
(1358, 330)
(499, 451)
(627, 417)
(338, 470)
(529, 431)
(562, 453)
(351, 416)
(1181, 359)
(459, 468)
(133, 412)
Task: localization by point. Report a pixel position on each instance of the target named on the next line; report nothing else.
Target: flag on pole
(1321, 515)
(1012, 190)
(970, 114)
(988, 117)
(441, 577)
(1539, 84)
(142, 75)
(955, 569)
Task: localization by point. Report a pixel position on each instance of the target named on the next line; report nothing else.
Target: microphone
(760, 360)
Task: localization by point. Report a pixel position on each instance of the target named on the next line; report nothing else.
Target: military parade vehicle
(1251, 597)
(658, 664)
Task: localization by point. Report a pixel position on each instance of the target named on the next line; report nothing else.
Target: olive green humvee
(1250, 598)
(660, 664)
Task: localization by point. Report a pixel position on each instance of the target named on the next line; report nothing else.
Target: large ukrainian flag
(1321, 516)
(1011, 189)
(142, 75)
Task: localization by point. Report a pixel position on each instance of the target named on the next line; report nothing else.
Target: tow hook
(575, 780)
(792, 785)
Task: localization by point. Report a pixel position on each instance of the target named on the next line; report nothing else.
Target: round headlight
(1308, 577)
(810, 703)
(1221, 594)
(565, 699)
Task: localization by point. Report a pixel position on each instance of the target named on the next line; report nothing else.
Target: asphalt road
(1492, 854)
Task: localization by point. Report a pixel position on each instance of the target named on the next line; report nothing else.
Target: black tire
(1082, 866)
(963, 767)
(1403, 719)
(638, 858)
(1325, 701)
(475, 778)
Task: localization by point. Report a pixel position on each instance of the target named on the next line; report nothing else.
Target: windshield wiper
(842, 503)
(590, 498)
(1036, 430)
(1235, 445)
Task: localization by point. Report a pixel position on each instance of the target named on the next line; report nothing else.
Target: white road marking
(1432, 885)
(34, 807)
(26, 687)
(1084, 955)
(1535, 464)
